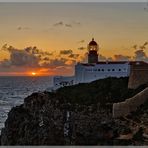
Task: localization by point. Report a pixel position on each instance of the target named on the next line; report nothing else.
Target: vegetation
(102, 91)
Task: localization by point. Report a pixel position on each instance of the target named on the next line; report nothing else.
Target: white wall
(60, 81)
(85, 73)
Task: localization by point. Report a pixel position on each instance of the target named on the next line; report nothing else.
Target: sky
(50, 38)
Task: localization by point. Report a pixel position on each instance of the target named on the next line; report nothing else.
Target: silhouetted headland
(78, 115)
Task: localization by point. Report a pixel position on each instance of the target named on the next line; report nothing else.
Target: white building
(94, 69)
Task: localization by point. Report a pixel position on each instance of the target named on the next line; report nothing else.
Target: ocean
(13, 90)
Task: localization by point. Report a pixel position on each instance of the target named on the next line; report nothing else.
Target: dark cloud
(75, 56)
(120, 57)
(54, 63)
(141, 55)
(58, 24)
(76, 23)
(32, 57)
(146, 7)
(23, 28)
(5, 63)
(82, 41)
(57, 62)
(136, 47)
(144, 45)
(81, 48)
(103, 58)
(20, 58)
(66, 52)
(46, 59)
(27, 57)
(68, 25)
(32, 50)
(62, 23)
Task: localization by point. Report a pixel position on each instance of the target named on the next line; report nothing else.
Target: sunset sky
(49, 38)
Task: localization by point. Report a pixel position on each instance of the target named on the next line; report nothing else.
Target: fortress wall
(130, 105)
(138, 76)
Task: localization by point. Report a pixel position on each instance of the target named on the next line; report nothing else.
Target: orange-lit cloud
(33, 60)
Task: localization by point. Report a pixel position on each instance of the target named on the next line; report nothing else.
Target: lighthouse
(95, 69)
(93, 51)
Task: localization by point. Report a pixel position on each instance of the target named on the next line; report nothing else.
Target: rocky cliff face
(52, 119)
(37, 121)
(43, 120)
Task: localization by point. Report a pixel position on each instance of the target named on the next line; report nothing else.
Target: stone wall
(138, 75)
(130, 105)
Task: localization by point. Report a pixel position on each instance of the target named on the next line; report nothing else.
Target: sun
(33, 73)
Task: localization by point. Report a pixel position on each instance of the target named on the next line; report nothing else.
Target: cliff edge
(77, 115)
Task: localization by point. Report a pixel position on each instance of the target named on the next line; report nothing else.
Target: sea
(13, 90)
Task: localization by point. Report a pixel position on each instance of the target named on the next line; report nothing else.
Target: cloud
(57, 62)
(75, 56)
(20, 57)
(58, 24)
(140, 55)
(23, 28)
(136, 47)
(30, 58)
(68, 25)
(70, 54)
(76, 23)
(120, 57)
(27, 57)
(81, 41)
(46, 59)
(34, 57)
(144, 45)
(5, 63)
(65, 24)
(81, 48)
(104, 58)
(66, 52)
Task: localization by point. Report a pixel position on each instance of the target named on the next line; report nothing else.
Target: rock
(53, 119)
(23, 126)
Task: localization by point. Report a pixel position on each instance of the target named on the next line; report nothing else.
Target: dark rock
(70, 117)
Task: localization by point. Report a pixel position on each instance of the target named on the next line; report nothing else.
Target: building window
(113, 69)
(119, 69)
(102, 69)
(108, 69)
(98, 69)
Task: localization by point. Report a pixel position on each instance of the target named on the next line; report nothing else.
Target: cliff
(76, 115)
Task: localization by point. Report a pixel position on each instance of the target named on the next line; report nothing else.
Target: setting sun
(33, 73)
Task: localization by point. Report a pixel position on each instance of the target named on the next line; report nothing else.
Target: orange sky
(54, 27)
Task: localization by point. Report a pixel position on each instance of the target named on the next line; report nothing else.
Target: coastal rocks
(29, 124)
(46, 119)
(74, 116)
